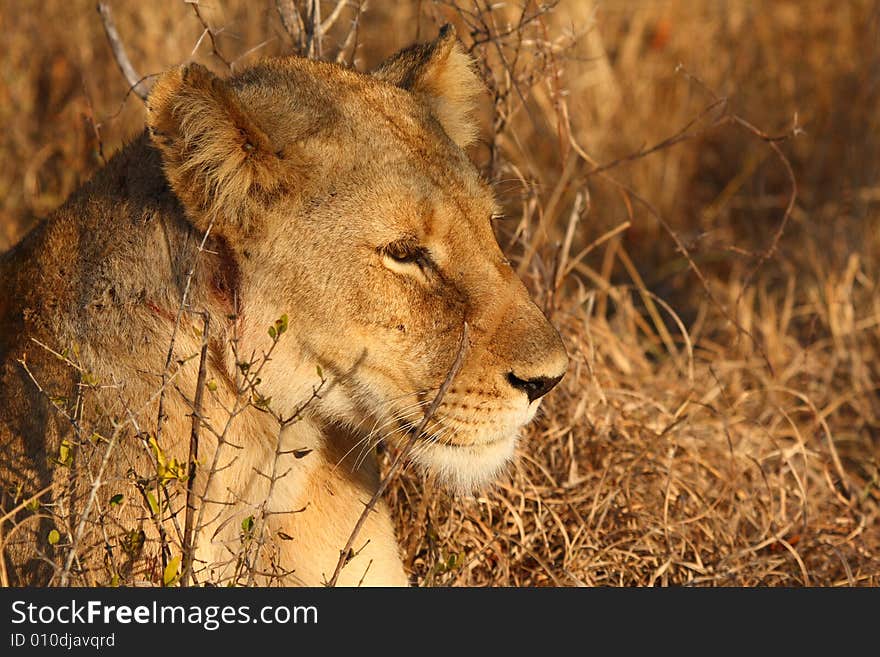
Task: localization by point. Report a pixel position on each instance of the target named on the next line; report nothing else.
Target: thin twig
(314, 35)
(9, 514)
(344, 555)
(334, 15)
(181, 307)
(90, 502)
(773, 142)
(683, 134)
(210, 32)
(291, 21)
(274, 476)
(4, 573)
(137, 83)
(194, 456)
(792, 199)
(351, 39)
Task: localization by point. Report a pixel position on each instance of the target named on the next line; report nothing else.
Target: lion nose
(534, 388)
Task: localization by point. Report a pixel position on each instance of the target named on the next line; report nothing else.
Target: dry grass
(719, 423)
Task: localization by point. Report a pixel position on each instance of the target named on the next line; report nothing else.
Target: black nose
(534, 388)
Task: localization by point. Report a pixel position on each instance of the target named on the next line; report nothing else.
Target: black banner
(163, 621)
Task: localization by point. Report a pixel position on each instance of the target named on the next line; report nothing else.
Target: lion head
(347, 202)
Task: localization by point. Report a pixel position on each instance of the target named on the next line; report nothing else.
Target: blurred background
(691, 191)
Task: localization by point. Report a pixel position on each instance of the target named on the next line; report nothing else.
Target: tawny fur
(307, 177)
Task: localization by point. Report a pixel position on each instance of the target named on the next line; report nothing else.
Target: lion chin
(466, 469)
(468, 459)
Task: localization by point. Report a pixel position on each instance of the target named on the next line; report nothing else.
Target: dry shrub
(719, 421)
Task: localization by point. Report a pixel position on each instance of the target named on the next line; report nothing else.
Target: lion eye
(404, 253)
(407, 258)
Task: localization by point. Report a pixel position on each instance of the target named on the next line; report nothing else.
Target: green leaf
(169, 577)
(133, 542)
(154, 506)
(278, 328)
(260, 401)
(65, 453)
(247, 525)
(212, 386)
(54, 537)
(116, 500)
(319, 371)
(58, 401)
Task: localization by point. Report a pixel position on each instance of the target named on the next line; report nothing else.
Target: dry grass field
(691, 192)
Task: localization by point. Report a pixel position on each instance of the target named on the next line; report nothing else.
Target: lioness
(329, 231)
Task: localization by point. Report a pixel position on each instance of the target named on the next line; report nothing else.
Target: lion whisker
(369, 441)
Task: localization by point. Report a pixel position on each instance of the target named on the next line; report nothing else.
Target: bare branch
(211, 33)
(90, 502)
(137, 83)
(193, 458)
(21, 505)
(183, 304)
(314, 34)
(351, 38)
(291, 20)
(334, 15)
(683, 134)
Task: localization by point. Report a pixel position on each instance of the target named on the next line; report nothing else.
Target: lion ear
(443, 75)
(216, 159)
